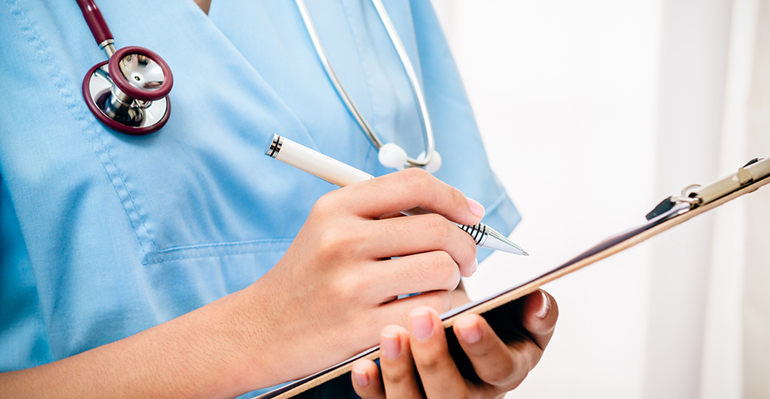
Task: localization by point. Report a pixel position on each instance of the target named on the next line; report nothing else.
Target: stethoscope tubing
(95, 21)
(425, 122)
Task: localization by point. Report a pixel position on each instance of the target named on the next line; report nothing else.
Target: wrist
(252, 355)
(261, 348)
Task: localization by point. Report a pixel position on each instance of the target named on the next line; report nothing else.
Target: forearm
(200, 354)
(331, 293)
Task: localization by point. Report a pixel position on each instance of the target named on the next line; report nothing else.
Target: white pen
(341, 174)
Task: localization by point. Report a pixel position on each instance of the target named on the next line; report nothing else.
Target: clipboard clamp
(696, 195)
(685, 196)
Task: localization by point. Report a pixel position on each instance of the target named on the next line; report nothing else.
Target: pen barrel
(315, 163)
(341, 174)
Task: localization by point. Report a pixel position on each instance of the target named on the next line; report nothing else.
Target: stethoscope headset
(129, 92)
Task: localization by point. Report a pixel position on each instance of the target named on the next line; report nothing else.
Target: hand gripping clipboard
(674, 210)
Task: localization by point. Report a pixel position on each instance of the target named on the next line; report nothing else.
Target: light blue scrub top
(103, 235)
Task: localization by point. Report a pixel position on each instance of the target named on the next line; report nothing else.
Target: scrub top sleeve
(457, 135)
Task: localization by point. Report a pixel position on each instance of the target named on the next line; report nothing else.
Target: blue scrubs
(103, 235)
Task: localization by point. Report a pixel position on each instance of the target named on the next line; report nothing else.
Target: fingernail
(475, 266)
(390, 345)
(470, 333)
(361, 378)
(476, 208)
(544, 307)
(421, 324)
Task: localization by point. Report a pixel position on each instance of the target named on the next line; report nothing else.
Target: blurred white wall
(565, 93)
(592, 112)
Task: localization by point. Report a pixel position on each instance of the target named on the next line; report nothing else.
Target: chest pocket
(207, 195)
(202, 185)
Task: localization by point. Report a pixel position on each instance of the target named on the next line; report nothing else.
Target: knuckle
(458, 199)
(428, 362)
(345, 289)
(446, 270)
(441, 301)
(438, 228)
(417, 179)
(501, 375)
(330, 241)
(338, 243)
(326, 205)
(436, 267)
(396, 375)
(511, 373)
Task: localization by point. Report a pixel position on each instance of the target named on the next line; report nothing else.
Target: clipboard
(674, 210)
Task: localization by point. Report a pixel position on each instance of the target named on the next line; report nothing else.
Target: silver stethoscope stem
(108, 46)
(350, 105)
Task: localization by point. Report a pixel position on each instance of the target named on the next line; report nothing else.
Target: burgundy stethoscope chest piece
(129, 92)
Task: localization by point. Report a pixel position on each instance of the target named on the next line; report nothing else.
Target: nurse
(187, 264)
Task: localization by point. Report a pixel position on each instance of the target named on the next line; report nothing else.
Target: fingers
(505, 365)
(398, 372)
(407, 189)
(366, 380)
(424, 233)
(438, 373)
(420, 357)
(397, 312)
(431, 271)
(494, 362)
(399, 378)
(539, 312)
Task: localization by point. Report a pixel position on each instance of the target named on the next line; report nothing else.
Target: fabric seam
(369, 83)
(60, 84)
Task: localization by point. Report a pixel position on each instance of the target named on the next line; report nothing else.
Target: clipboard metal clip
(696, 195)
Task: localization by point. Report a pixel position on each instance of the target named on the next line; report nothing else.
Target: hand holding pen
(337, 285)
(341, 174)
(349, 264)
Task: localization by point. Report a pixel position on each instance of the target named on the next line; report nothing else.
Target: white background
(591, 112)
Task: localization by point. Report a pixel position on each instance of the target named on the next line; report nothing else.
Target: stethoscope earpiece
(393, 156)
(434, 164)
(129, 92)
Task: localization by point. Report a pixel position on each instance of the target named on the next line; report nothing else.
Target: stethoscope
(390, 155)
(129, 92)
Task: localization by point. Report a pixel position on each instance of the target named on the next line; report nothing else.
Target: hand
(417, 363)
(336, 286)
(330, 295)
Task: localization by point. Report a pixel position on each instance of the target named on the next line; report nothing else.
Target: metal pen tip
(499, 242)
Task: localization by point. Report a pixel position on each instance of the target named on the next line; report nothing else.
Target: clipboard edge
(537, 282)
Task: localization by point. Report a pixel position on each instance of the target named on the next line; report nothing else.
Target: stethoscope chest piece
(129, 93)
